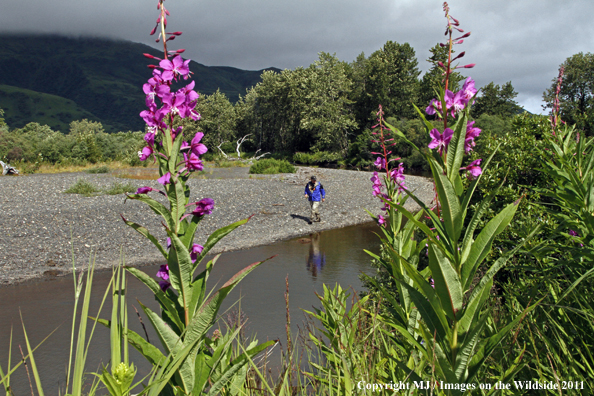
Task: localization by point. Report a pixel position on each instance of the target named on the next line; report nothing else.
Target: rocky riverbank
(42, 229)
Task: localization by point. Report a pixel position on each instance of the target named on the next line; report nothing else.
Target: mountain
(95, 78)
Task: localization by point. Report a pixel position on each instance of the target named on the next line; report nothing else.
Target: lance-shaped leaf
(455, 154)
(466, 349)
(216, 237)
(474, 222)
(173, 344)
(204, 318)
(450, 206)
(482, 245)
(146, 349)
(180, 271)
(473, 309)
(470, 191)
(157, 207)
(170, 307)
(447, 282)
(144, 232)
(431, 313)
(488, 346)
(199, 286)
(500, 263)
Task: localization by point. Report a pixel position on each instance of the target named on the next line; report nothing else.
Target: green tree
(577, 92)
(218, 118)
(85, 133)
(496, 100)
(392, 81)
(2, 122)
(328, 114)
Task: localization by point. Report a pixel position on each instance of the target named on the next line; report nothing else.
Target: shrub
(119, 188)
(82, 187)
(98, 169)
(271, 166)
(317, 158)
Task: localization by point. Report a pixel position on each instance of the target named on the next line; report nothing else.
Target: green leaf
(482, 245)
(450, 206)
(447, 282)
(180, 272)
(170, 307)
(157, 207)
(455, 154)
(204, 318)
(143, 231)
(216, 237)
(489, 345)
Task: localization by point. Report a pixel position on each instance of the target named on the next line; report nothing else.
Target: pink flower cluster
(455, 102)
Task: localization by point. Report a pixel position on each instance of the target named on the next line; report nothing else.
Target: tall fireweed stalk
(439, 314)
(192, 362)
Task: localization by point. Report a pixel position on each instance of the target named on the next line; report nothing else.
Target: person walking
(315, 192)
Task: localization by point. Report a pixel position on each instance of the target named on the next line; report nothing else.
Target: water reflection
(316, 258)
(332, 257)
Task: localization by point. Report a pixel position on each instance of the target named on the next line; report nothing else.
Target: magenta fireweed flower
(573, 233)
(145, 153)
(381, 220)
(434, 107)
(193, 162)
(440, 141)
(471, 133)
(165, 179)
(196, 147)
(195, 251)
(174, 68)
(163, 272)
(380, 163)
(397, 175)
(203, 207)
(457, 102)
(149, 138)
(143, 190)
(474, 169)
(164, 285)
(175, 103)
(468, 89)
(377, 184)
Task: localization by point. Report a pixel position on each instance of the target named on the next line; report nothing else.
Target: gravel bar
(42, 229)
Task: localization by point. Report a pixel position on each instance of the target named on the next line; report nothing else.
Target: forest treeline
(321, 114)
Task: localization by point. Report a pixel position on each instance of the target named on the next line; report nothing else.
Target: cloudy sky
(522, 41)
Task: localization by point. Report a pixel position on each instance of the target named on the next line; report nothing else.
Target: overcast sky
(522, 41)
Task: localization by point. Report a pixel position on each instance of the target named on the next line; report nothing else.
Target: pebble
(41, 226)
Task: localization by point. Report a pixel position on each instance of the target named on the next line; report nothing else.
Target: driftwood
(238, 158)
(8, 170)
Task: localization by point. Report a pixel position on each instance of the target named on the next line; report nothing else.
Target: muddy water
(329, 257)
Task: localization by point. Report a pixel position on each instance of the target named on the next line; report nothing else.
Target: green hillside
(101, 77)
(22, 106)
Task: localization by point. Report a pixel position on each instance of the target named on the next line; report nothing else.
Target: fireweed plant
(187, 312)
(439, 314)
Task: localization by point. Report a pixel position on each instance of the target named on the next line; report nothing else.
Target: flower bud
(154, 30)
(167, 12)
(469, 66)
(440, 64)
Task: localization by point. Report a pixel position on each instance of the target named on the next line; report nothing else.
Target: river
(330, 257)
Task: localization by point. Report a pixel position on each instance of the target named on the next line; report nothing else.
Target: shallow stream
(329, 257)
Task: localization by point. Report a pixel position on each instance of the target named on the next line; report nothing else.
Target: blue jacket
(315, 194)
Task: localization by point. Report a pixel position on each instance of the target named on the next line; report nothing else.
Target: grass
(86, 167)
(230, 164)
(83, 187)
(272, 166)
(119, 188)
(88, 189)
(99, 169)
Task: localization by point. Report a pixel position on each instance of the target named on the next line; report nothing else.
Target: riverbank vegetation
(486, 291)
